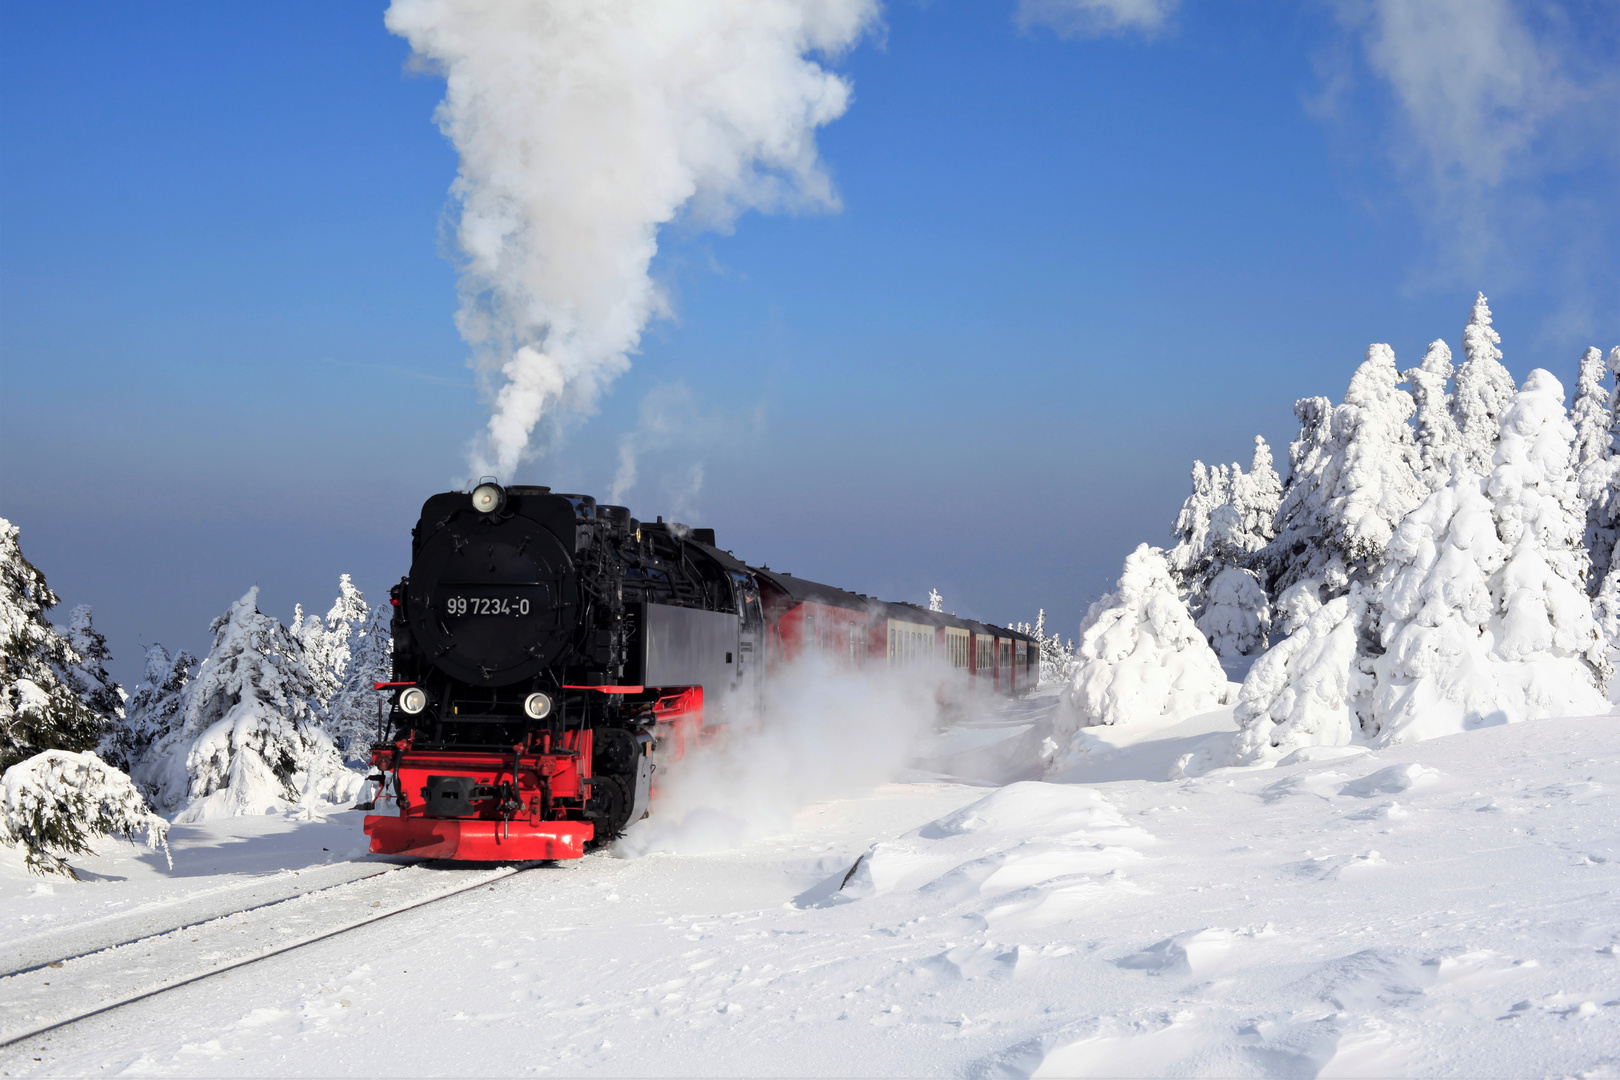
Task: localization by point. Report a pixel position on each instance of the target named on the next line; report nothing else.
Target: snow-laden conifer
(1445, 624)
(247, 741)
(153, 709)
(1483, 389)
(1545, 611)
(89, 676)
(1189, 558)
(1436, 676)
(1236, 619)
(327, 642)
(1296, 552)
(39, 709)
(54, 803)
(1256, 495)
(351, 717)
(1140, 659)
(1309, 689)
(317, 648)
(1596, 416)
(1600, 488)
(1437, 435)
(1590, 413)
(1355, 477)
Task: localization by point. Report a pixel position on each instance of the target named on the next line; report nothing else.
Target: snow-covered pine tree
(1596, 467)
(1435, 675)
(1310, 689)
(1189, 558)
(1141, 660)
(1256, 495)
(89, 676)
(1056, 661)
(1354, 477)
(347, 615)
(1483, 389)
(39, 709)
(1236, 618)
(52, 804)
(1547, 624)
(351, 717)
(1600, 487)
(327, 642)
(316, 648)
(247, 741)
(1232, 608)
(1437, 435)
(152, 710)
(1590, 414)
(1296, 553)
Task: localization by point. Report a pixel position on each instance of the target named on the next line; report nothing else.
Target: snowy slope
(1441, 907)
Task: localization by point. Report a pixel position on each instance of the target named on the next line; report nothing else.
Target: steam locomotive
(550, 651)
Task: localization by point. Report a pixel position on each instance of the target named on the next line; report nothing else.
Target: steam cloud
(826, 733)
(584, 125)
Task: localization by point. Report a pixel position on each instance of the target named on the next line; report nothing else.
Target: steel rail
(234, 965)
(58, 961)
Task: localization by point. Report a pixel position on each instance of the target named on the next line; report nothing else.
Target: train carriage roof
(801, 590)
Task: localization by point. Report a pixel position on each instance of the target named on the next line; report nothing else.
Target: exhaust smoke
(584, 125)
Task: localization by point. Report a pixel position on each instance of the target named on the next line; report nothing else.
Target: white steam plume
(584, 125)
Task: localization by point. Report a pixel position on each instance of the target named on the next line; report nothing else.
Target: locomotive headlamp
(412, 700)
(487, 498)
(538, 706)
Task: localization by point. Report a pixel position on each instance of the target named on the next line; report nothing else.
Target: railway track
(89, 983)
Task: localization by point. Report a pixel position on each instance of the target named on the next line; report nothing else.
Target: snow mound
(1193, 953)
(1141, 658)
(1392, 780)
(1028, 855)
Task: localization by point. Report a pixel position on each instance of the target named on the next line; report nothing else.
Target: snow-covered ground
(1447, 907)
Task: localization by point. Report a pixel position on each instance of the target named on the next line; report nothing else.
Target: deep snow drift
(1439, 907)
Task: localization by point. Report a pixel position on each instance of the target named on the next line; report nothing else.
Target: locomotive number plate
(513, 606)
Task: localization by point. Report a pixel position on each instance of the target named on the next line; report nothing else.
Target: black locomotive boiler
(546, 647)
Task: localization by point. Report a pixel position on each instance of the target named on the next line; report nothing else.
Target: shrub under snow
(246, 740)
(1141, 659)
(52, 805)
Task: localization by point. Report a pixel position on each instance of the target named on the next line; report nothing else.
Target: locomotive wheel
(610, 805)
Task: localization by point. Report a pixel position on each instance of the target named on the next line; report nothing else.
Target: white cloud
(1475, 85)
(1493, 100)
(1095, 18)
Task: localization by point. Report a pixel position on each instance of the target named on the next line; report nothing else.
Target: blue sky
(1064, 266)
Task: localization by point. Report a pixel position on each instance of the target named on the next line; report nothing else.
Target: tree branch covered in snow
(56, 802)
(40, 708)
